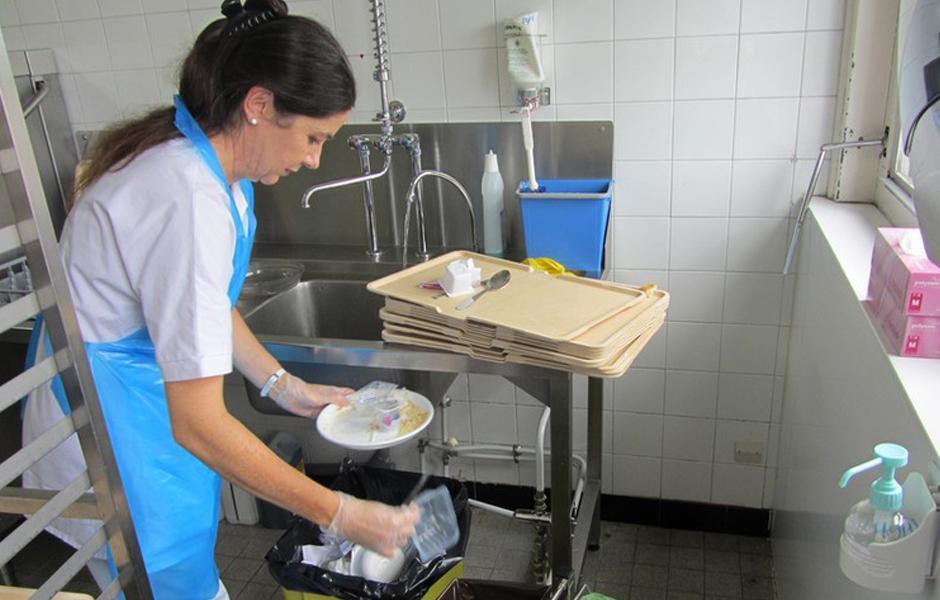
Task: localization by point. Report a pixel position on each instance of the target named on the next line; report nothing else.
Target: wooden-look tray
(597, 341)
(615, 367)
(533, 303)
(402, 324)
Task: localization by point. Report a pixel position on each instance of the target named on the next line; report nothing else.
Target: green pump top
(886, 493)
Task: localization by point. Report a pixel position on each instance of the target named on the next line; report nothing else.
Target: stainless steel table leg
(560, 394)
(595, 441)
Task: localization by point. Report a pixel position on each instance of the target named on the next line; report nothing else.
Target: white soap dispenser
(492, 188)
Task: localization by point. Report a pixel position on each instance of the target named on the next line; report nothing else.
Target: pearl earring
(253, 121)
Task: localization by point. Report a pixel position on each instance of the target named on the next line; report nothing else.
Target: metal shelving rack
(31, 235)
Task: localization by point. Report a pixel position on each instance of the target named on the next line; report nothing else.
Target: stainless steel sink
(320, 309)
(332, 315)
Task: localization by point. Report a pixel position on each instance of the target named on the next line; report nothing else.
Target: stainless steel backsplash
(582, 149)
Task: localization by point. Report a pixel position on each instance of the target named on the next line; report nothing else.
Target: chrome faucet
(392, 112)
(422, 234)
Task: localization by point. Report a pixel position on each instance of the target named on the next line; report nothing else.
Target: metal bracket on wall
(811, 188)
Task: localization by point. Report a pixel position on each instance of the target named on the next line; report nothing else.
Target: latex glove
(379, 527)
(295, 395)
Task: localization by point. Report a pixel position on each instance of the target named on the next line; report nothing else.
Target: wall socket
(749, 452)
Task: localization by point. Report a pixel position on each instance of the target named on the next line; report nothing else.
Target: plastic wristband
(271, 382)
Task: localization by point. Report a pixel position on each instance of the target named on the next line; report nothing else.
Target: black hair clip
(241, 19)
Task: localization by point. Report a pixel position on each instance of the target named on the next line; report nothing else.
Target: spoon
(498, 280)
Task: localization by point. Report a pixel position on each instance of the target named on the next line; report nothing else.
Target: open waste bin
(417, 581)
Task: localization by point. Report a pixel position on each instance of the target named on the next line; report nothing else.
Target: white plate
(345, 427)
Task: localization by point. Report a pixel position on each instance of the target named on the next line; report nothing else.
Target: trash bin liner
(477, 589)
(383, 485)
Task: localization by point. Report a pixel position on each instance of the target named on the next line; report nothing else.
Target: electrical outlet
(749, 452)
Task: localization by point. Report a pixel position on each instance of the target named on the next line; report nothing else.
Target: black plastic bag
(383, 485)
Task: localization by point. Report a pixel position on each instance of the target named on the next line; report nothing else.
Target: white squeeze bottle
(492, 187)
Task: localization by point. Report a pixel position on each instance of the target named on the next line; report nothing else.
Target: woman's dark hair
(296, 58)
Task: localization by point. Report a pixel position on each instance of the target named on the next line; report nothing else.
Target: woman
(156, 252)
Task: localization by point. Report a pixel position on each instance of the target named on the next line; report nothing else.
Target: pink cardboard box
(907, 335)
(912, 281)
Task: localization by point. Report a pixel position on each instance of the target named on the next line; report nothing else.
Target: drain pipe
(445, 403)
(518, 453)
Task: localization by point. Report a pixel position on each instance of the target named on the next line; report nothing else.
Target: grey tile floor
(633, 563)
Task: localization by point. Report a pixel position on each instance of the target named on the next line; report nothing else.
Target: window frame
(894, 191)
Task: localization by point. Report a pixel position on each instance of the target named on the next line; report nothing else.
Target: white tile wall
(693, 346)
(643, 131)
(643, 70)
(770, 65)
(688, 438)
(718, 108)
(687, 480)
(467, 24)
(703, 129)
(707, 17)
(772, 15)
(634, 19)
(761, 188)
(706, 67)
(701, 188)
(745, 397)
(584, 72)
(640, 390)
(691, 394)
(642, 188)
(698, 244)
(636, 476)
(696, 296)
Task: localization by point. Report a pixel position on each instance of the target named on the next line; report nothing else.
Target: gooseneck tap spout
(410, 198)
(329, 185)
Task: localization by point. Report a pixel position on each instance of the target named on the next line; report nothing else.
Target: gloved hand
(379, 527)
(295, 395)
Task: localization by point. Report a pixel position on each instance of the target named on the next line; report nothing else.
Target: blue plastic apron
(173, 497)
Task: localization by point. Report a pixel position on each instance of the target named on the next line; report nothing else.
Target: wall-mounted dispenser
(888, 541)
(524, 60)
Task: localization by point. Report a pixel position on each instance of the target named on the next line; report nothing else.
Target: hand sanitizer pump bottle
(879, 519)
(492, 188)
(889, 539)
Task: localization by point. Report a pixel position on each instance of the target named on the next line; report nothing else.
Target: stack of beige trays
(562, 322)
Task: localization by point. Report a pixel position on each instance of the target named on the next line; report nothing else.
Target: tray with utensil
(531, 302)
(518, 314)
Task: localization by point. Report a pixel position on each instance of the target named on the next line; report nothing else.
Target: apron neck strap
(190, 128)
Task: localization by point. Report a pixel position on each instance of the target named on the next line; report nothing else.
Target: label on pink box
(912, 281)
(908, 335)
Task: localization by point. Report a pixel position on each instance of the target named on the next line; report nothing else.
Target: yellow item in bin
(543, 263)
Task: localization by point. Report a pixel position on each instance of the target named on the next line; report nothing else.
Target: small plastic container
(371, 394)
(437, 531)
(459, 277)
(387, 414)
